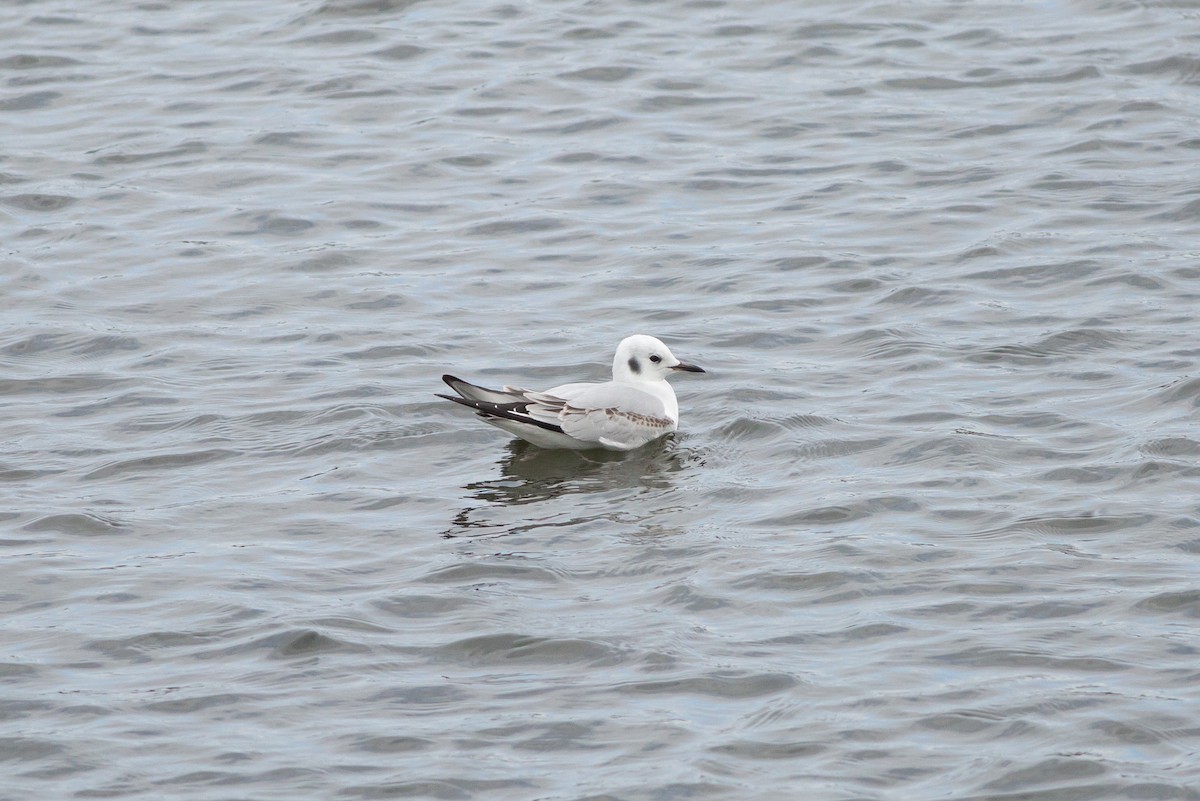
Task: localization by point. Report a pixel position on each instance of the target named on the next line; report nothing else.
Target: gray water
(930, 528)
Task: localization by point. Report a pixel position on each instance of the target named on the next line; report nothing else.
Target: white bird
(636, 407)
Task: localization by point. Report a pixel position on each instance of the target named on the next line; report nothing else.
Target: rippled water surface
(930, 528)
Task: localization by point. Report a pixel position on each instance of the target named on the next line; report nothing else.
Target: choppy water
(930, 528)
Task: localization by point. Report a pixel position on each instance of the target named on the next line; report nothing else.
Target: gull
(636, 407)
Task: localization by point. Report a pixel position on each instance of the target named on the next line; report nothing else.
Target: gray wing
(611, 415)
(614, 415)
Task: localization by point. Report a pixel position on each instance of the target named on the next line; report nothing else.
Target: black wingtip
(491, 410)
(464, 401)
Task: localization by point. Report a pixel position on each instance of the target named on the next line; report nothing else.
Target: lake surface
(930, 528)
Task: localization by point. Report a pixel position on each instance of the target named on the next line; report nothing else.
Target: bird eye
(656, 358)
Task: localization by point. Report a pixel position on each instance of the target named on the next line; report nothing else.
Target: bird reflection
(530, 475)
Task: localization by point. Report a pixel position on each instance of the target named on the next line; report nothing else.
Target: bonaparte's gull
(636, 407)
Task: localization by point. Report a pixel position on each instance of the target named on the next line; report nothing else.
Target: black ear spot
(634, 367)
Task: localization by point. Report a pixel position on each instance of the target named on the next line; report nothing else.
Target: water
(929, 529)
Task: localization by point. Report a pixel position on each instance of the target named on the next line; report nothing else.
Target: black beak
(688, 368)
